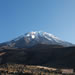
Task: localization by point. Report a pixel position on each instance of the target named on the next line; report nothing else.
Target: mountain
(44, 55)
(31, 39)
(38, 48)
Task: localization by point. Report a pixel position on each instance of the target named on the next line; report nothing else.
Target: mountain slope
(47, 56)
(33, 38)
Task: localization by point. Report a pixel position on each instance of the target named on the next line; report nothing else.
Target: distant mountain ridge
(33, 38)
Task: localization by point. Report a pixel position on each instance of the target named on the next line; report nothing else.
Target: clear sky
(54, 16)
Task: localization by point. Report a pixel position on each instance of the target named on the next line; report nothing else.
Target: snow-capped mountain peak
(38, 37)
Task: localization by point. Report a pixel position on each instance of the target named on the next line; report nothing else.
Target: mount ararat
(31, 39)
(38, 48)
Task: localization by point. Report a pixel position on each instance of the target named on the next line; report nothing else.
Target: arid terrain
(19, 69)
(44, 56)
(38, 60)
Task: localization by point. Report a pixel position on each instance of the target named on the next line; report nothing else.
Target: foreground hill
(58, 57)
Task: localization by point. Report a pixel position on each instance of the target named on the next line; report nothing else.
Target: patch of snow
(40, 37)
(33, 36)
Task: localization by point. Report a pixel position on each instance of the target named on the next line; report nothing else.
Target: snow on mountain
(33, 38)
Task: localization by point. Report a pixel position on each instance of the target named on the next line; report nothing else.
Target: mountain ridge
(33, 38)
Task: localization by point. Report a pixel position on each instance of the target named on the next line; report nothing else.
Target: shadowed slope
(40, 55)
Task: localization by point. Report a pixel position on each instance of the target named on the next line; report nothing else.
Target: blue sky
(54, 16)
